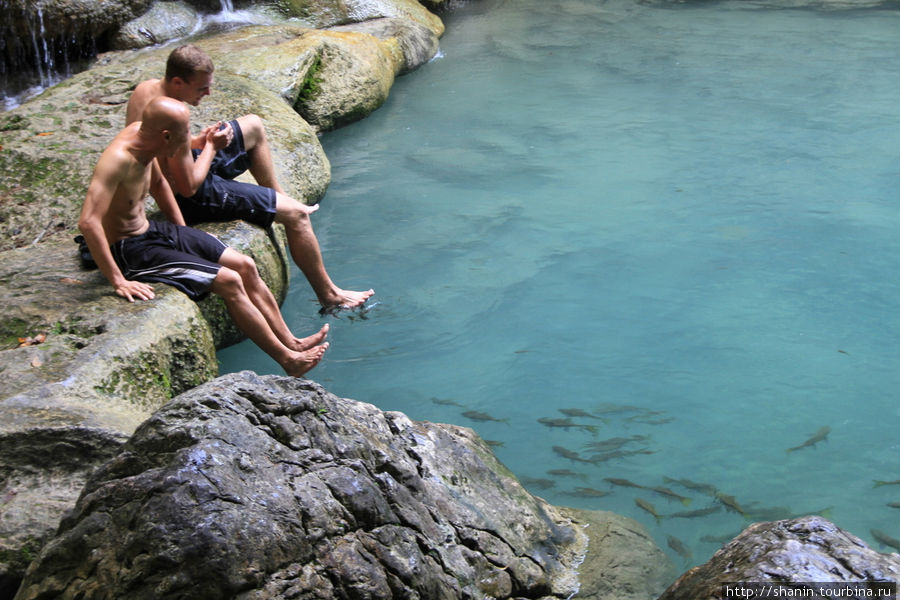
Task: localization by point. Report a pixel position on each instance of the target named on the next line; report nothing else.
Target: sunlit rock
(797, 551)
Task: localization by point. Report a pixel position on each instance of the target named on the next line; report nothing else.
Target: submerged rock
(796, 551)
(270, 487)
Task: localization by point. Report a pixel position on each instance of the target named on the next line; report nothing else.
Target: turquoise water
(685, 219)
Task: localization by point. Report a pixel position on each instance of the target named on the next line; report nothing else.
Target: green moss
(11, 330)
(13, 123)
(27, 172)
(18, 560)
(312, 82)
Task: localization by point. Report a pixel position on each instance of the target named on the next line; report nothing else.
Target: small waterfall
(32, 59)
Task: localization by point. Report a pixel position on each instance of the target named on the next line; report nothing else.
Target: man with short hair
(131, 250)
(202, 173)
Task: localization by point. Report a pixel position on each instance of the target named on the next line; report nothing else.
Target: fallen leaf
(36, 362)
(33, 341)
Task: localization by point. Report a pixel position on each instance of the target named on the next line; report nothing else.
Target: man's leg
(249, 319)
(257, 146)
(264, 301)
(306, 253)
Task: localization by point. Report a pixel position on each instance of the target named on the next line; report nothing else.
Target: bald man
(132, 251)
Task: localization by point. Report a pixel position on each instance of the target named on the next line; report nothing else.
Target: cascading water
(32, 58)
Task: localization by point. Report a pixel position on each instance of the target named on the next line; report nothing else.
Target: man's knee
(228, 283)
(290, 212)
(252, 127)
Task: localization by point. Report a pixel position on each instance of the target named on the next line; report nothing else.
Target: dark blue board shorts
(220, 198)
(183, 257)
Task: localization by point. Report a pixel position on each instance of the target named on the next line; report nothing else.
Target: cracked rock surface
(790, 553)
(271, 487)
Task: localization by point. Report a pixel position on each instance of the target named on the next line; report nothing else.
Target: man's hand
(135, 289)
(219, 135)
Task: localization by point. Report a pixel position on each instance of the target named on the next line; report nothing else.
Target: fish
(879, 483)
(606, 409)
(563, 423)
(577, 412)
(493, 443)
(819, 436)
(692, 514)
(599, 458)
(587, 492)
(647, 421)
(703, 488)
(623, 482)
(537, 482)
(566, 473)
(730, 503)
(614, 443)
(720, 539)
(885, 539)
(894, 504)
(446, 402)
(779, 513)
(566, 453)
(679, 547)
(566, 424)
(477, 415)
(648, 507)
(664, 491)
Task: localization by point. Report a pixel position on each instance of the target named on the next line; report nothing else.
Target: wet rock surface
(797, 551)
(270, 487)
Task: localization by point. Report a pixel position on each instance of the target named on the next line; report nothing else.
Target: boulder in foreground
(270, 487)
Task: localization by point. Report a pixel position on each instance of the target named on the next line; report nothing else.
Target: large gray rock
(788, 553)
(270, 487)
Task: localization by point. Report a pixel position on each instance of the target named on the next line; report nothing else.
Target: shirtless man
(131, 250)
(202, 173)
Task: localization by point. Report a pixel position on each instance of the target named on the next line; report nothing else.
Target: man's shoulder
(143, 93)
(148, 85)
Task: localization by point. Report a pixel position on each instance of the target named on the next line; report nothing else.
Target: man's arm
(186, 173)
(106, 178)
(165, 199)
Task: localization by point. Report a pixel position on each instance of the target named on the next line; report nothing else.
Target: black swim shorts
(220, 198)
(183, 257)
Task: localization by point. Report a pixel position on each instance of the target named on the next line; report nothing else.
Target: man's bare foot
(303, 362)
(339, 298)
(299, 345)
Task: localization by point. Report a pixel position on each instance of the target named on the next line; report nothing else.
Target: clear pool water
(683, 220)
